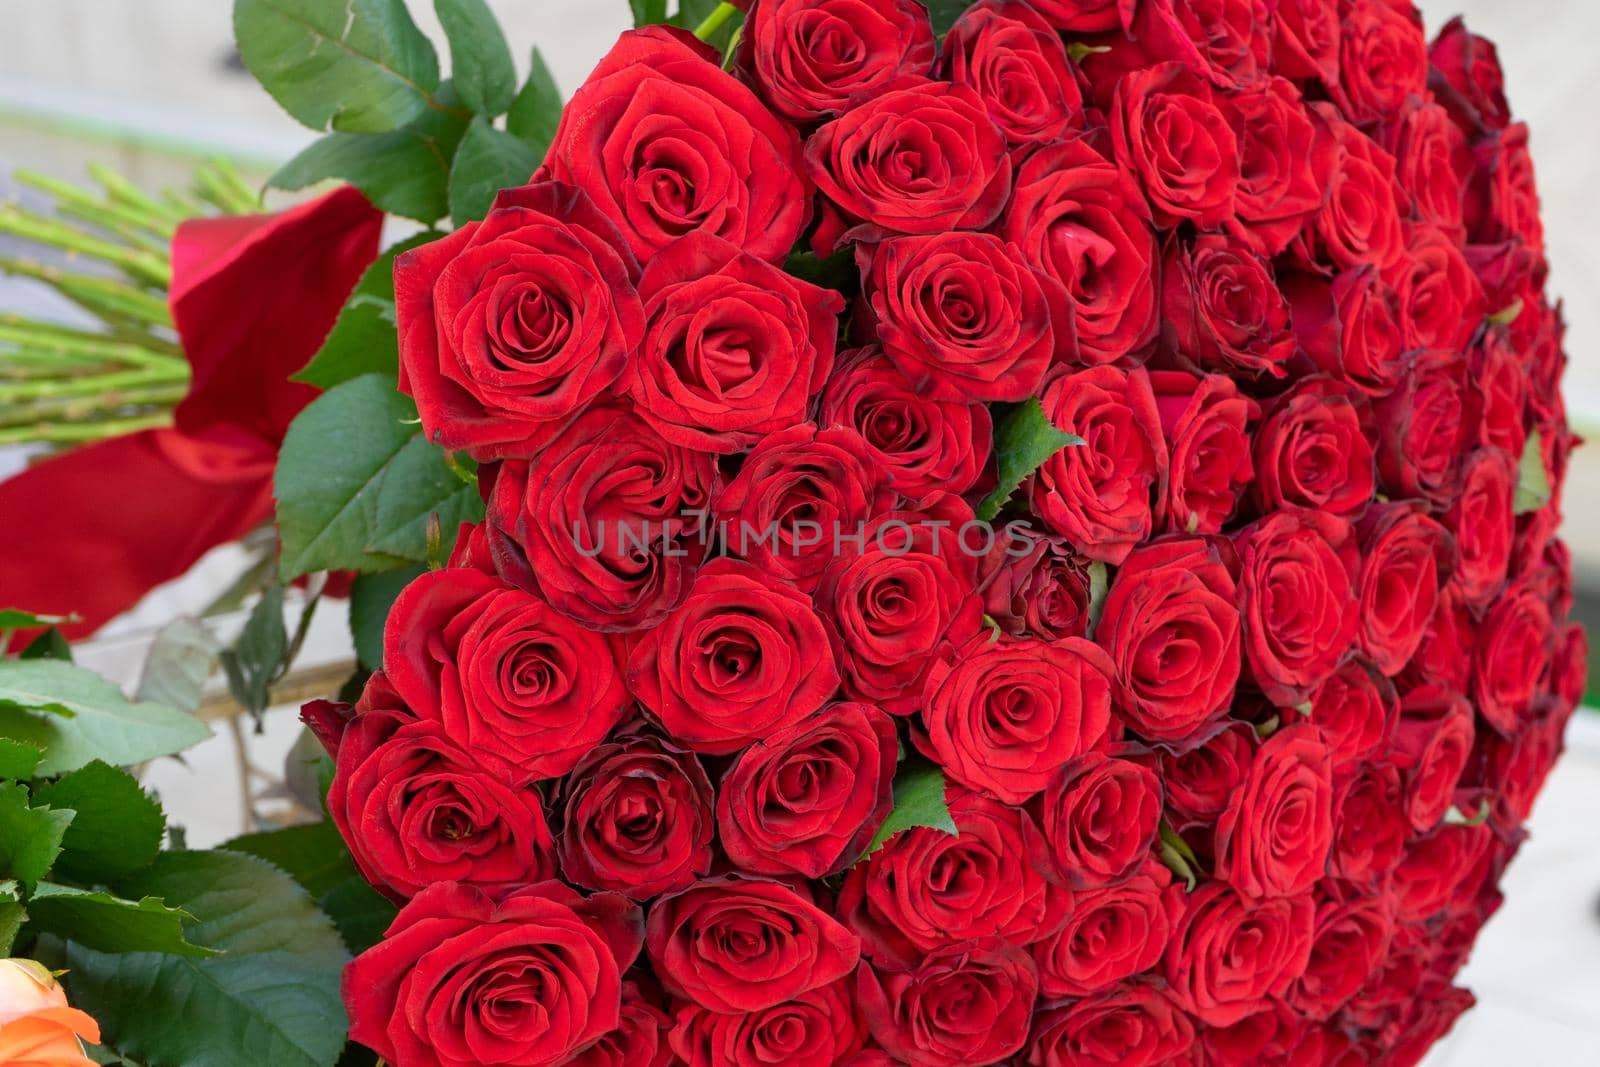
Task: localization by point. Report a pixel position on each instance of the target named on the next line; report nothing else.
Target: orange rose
(37, 1028)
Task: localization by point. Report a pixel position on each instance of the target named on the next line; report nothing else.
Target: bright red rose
(1498, 398)
(511, 325)
(1014, 60)
(1434, 868)
(1355, 709)
(1007, 712)
(1513, 652)
(1200, 782)
(1370, 826)
(436, 989)
(1282, 165)
(640, 1039)
(1445, 655)
(1432, 744)
(1276, 1034)
(1432, 161)
(1349, 944)
(1441, 303)
(1207, 423)
(1274, 836)
(1519, 766)
(1383, 60)
(811, 58)
(1312, 451)
(1133, 1025)
(603, 524)
(1306, 40)
(668, 144)
(1111, 934)
(807, 799)
(1173, 135)
(1230, 957)
(819, 1029)
(1082, 222)
(1044, 592)
(962, 1005)
(743, 655)
(1483, 522)
(1503, 200)
(1082, 16)
(636, 818)
(1229, 41)
(1359, 224)
(1223, 310)
(735, 348)
(1468, 79)
(1101, 497)
(1406, 558)
(1349, 329)
(742, 945)
(1101, 820)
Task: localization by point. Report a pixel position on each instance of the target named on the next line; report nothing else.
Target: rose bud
(1044, 593)
(1135, 1025)
(1101, 818)
(1229, 956)
(1370, 826)
(1273, 839)
(1312, 451)
(1173, 136)
(961, 1005)
(1016, 61)
(1207, 422)
(1111, 934)
(820, 1029)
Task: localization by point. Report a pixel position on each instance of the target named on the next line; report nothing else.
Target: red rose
(1207, 422)
(924, 445)
(820, 1029)
(811, 58)
(418, 806)
(1499, 400)
(926, 888)
(1014, 60)
(640, 1039)
(1223, 310)
(1230, 956)
(1359, 224)
(742, 945)
(797, 492)
(1282, 164)
(1483, 523)
(1045, 592)
(901, 599)
(510, 325)
(1433, 162)
(667, 144)
(1519, 765)
(961, 1005)
(1468, 79)
(963, 316)
(1503, 201)
(1200, 783)
(1306, 41)
(1355, 709)
(1383, 59)
(602, 524)
(1273, 839)
(922, 159)
(1111, 934)
(1007, 712)
(437, 988)
(1441, 302)
(1434, 868)
(1296, 599)
(1229, 41)
(1133, 1025)
(1171, 627)
(1275, 1034)
(1370, 826)
(1445, 655)
(1432, 744)
(1423, 429)
(808, 798)
(735, 348)
(1082, 222)
(636, 818)
(1406, 559)
(1348, 946)
(506, 675)
(743, 655)
(1099, 496)
(1312, 451)
(1174, 138)
(1349, 329)
(1513, 651)
(1101, 818)
(1081, 16)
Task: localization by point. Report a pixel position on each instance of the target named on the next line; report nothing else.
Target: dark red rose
(602, 524)
(640, 1039)
(1519, 765)
(1570, 665)
(1441, 303)
(1045, 591)
(1306, 40)
(1171, 628)
(1359, 224)
(1222, 308)
(961, 1005)
(1274, 836)
(1498, 398)
(506, 675)
(1101, 818)
(1207, 423)
(1383, 60)
(735, 347)
(668, 144)
(636, 818)
(1082, 222)
(1513, 651)
(1230, 956)
(1468, 79)
(1082, 16)
(1445, 655)
(1483, 522)
(1370, 826)
(1432, 744)
(811, 58)
(901, 594)
(1424, 430)
(1282, 165)
(1133, 1025)
(1350, 328)
(1434, 868)
(510, 325)
(819, 1029)
(1312, 451)
(1008, 711)
(1111, 934)
(1503, 201)
(1406, 558)
(743, 944)
(1174, 137)
(418, 806)
(1296, 599)
(1014, 60)
(924, 445)
(1229, 41)
(1100, 496)
(1432, 161)
(1349, 944)
(808, 798)
(926, 888)
(1276, 1034)
(463, 978)
(924, 158)
(742, 656)
(1430, 1015)
(1355, 709)
(798, 491)
(1200, 782)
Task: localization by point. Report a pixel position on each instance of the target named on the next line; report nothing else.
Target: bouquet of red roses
(1019, 533)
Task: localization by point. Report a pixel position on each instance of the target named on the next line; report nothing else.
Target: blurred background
(152, 87)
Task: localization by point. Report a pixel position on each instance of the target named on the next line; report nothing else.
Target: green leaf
(88, 718)
(1533, 481)
(536, 112)
(919, 800)
(360, 912)
(371, 597)
(480, 59)
(18, 759)
(30, 837)
(257, 658)
(404, 172)
(313, 855)
(13, 619)
(178, 666)
(1024, 439)
(107, 923)
(943, 14)
(363, 339)
(272, 997)
(488, 161)
(118, 828)
(356, 482)
(12, 916)
(648, 12)
(360, 66)
(49, 645)
(1099, 585)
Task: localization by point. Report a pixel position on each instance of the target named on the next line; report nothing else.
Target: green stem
(112, 215)
(123, 191)
(715, 21)
(78, 409)
(103, 297)
(78, 433)
(96, 385)
(38, 331)
(245, 200)
(153, 270)
(91, 347)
